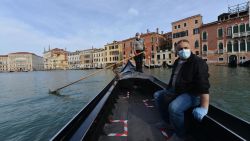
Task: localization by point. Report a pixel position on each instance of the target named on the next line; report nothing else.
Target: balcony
(242, 34)
(229, 35)
(235, 35)
(248, 33)
(220, 51)
(204, 53)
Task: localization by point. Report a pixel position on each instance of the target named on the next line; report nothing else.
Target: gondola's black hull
(88, 124)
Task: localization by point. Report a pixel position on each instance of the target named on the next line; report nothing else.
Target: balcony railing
(220, 51)
(241, 34)
(248, 33)
(204, 53)
(235, 35)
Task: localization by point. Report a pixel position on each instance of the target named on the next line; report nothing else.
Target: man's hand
(199, 113)
(135, 53)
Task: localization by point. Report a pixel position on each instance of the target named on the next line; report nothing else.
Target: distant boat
(158, 66)
(145, 65)
(245, 64)
(152, 66)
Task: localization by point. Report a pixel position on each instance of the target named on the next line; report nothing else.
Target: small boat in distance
(125, 110)
(245, 64)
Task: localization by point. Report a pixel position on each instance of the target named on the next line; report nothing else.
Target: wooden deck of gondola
(140, 119)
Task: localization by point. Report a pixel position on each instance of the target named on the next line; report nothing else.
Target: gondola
(125, 110)
(245, 64)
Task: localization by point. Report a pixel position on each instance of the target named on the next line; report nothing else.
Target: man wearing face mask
(189, 87)
(138, 47)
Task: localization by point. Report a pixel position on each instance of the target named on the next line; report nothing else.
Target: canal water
(28, 112)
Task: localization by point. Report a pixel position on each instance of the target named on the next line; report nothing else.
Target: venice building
(228, 38)
(24, 61)
(55, 59)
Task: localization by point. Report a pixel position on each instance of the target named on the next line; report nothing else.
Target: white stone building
(74, 61)
(24, 61)
(3, 63)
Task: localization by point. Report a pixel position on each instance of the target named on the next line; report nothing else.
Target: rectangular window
(185, 24)
(196, 31)
(248, 28)
(220, 59)
(163, 56)
(248, 46)
(179, 26)
(174, 35)
(204, 35)
(229, 31)
(158, 57)
(196, 21)
(220, 33)
(175, 27)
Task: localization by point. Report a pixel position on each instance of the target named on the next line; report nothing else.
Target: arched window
(229, 46)
(220, 46)
(236, 46)
(204, 48)
(242, 45)
(204, 35)
(196, 44)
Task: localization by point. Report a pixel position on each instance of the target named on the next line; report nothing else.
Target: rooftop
(22, 53)
(195, 16)
(3, 55)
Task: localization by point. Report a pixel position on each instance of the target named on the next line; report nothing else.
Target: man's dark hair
(184, 40)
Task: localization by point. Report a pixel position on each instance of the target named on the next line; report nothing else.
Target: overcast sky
(32, 25)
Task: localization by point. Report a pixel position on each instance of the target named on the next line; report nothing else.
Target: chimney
(157, 30)
(161, 32)
(147, 30)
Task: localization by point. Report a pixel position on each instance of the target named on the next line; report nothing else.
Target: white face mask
(184, 53)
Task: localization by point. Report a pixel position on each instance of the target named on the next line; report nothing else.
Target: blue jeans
(173, 111)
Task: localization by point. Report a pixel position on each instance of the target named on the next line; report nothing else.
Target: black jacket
(192, 77)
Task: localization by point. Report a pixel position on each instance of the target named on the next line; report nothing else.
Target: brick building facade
(228, 38)
(153, 43)
(188, 29)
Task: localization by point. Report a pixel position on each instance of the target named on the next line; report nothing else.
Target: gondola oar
(56, 91)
